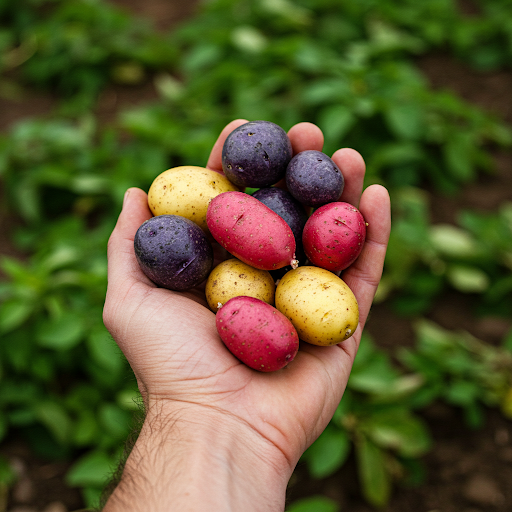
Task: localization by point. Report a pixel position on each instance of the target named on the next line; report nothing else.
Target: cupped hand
(170, 339)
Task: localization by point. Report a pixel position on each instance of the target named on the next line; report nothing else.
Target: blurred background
(97, 96)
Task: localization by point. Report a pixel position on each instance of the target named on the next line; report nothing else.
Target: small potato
(251, 231)
(256, 154)
(233, 278)
(173, 252)
(334, 236)
(186, 191)
(313, 178)
(319, 304)
(257, 333)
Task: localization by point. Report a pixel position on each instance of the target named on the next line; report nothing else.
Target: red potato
(334, 236)
(257, 333)
(251, 231)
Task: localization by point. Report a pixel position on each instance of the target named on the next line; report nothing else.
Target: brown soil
(466, 471)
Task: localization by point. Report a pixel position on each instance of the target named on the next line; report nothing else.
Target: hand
(197, 393)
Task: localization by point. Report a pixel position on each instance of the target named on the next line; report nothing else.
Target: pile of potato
(281, 284)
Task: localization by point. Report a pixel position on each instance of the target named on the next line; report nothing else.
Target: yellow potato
(233, 278)
(319, 304)
(186, 191)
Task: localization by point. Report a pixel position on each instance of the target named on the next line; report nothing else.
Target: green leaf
(201, 57)
(104, 350)
(467, 279)
(463, 392)
(399, 153)
(373, 474)
(372, 371)
(13, 313)
(400, 431)
(314, 504)
(21, 417)
(452, 241)
(324, 91)
(374, 378)
(405, 120)
(56, 419)
(457, 154)
(14, 269)
(85, 430)
(60, 257)
(129, 399)
(335, 122)
(248, 39)
(474, 415)
(93, 469)
(62, 333)
(114, 420)
(328, 452)
(92, 497)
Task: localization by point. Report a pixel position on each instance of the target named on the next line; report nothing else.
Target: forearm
(195, 463)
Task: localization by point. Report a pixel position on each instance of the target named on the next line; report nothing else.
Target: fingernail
(126, 194)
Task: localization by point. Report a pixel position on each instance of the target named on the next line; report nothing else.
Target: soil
(467, 470)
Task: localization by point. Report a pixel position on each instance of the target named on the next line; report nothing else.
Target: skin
(218, 435)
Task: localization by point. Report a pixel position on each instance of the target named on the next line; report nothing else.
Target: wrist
(191, 457)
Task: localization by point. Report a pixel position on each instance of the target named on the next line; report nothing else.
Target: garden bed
(467, 470)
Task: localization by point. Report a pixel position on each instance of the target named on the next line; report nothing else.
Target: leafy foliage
(348, 67)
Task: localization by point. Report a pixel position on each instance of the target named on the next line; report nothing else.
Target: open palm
(171, 342)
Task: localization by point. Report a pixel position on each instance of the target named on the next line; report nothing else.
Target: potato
(173, 252)
(286, 206)
(319, 304)
(251, 231)
(314, 179)
(257, 333)
(334, 235)
(233, 278)
(186, 191)
(256, 154)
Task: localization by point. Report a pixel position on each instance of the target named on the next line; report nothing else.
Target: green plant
(76, 47)
(424, 259)
(313, 504)
(351, 68)
(461, 370)
(376, 419)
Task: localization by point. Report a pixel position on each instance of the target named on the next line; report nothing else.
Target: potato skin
(257, 333)
(334, 235)
(319, 304)
(173, 252)
(186, 191)
(233, 278)
(313, 178)
(256, 154)
(251, 231)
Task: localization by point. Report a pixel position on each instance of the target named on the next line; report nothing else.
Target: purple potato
(173, 252)
(256, 154)
(287, 207)
(314, 179)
